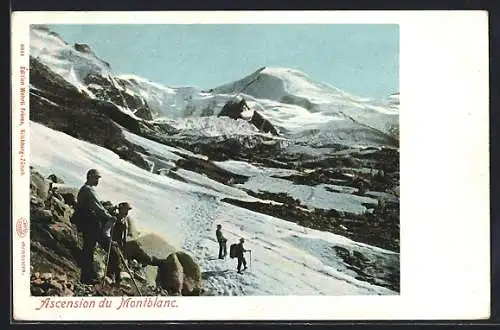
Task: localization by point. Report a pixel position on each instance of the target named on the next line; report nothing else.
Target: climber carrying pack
(237, 251)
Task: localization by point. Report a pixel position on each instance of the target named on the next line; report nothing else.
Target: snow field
(186, 215)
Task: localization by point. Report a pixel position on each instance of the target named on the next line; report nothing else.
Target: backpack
(83, 223)
(233, 250)
(77, 220)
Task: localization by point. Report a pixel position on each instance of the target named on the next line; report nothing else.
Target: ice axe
(129, 271)
(250, 252)
(109, 252)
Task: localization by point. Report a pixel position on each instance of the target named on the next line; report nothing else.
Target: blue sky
(361, 59)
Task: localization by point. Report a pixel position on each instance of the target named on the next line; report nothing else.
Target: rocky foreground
(157, 267)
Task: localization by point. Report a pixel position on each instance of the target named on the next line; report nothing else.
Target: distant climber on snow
(222, 242)
(237, 251)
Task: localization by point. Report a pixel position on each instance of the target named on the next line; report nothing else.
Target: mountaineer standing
(237, 251)
(122, 225)
(91, 219)
(222, 242)
(117, 232)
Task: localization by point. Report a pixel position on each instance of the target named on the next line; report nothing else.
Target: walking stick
(109, 252)
(250, 259)
(129, 271)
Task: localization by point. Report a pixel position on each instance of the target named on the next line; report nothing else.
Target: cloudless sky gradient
(360, 59)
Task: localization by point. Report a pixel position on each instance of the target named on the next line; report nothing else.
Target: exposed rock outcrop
(192, 285)
(113, 90)
(234, 109)
(84, 48)
(170, 274)
(179, 274)
(60, 106)
(214, 172)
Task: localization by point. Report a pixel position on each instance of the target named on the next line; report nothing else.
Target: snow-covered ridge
(274, 83)
(293, 102)
(293, 87)
(63, 59)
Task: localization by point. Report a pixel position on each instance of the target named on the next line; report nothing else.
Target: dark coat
(220, 237)
(240, 250)
(90, 215)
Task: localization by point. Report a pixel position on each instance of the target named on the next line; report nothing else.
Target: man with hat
(241, 258)
(117, 231)
(93, 216)
(121, 228)
(222, 242)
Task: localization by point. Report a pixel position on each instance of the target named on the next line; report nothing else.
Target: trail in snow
(186, 215)
(203, 214)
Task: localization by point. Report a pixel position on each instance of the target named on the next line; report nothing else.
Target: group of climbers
(236, 250)
(101, 227)
(110, 229)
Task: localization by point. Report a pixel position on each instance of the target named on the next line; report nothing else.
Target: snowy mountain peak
(289, 86)
(286, 73)
(72, 63)
(271, 83)
(288, 98)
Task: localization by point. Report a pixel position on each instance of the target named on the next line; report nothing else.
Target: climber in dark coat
(92, 218)
(240, 255)
(222, 242)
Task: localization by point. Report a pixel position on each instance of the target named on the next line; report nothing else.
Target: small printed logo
(22, 227)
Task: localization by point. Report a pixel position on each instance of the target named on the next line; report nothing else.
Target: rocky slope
(56, 248)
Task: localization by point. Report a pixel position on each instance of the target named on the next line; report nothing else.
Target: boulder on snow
(144, 248)
(150, 244)
(170, 274)
(166, 266)
(192, 285)
(179, 274)
(135, 251)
